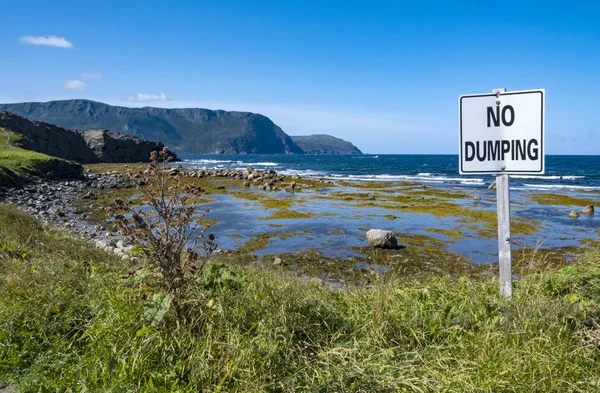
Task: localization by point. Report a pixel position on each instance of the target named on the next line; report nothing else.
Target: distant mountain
(81, 146)
(190, 130)
(324, 144)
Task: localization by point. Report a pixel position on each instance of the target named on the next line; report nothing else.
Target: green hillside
(187, 130)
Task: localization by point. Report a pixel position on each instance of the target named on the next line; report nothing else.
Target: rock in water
(588, 210)
(382, 238)
(573, 214)
(492, 186)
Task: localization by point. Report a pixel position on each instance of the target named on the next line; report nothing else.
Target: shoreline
(293, 215)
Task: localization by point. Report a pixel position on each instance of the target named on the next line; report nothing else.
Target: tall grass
(72, 318)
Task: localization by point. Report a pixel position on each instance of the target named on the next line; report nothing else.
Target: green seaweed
(288, 214)
(256, 243)
(562, 200)
(452, 234)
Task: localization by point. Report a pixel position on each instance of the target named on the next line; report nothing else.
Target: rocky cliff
(81, 146)
(189, 130)
(324, 144)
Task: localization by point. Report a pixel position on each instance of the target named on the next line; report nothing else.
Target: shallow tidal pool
(333, 220)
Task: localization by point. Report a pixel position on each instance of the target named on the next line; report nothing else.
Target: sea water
(562, 172)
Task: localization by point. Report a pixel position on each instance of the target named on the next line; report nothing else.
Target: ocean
(562, 172)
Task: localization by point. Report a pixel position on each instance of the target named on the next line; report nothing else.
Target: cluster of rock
(109, 146)
(587, 210)
(268, 180)
(52, 202)
(121, 247)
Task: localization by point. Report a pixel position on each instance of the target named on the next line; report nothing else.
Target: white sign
(502, 133)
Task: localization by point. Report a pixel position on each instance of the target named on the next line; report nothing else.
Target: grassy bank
(73, 318)
(16, 162)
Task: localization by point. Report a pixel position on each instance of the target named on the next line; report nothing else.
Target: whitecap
(262, 163)
(558, 187)
(539, 177)
(421, 179)
(206, 161)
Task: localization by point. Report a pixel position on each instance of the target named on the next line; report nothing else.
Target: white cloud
(52, 40)
(145, 97)
(75, 84)
(93, 75)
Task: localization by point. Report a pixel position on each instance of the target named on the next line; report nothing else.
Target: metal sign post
(502, 133)
(504, 251)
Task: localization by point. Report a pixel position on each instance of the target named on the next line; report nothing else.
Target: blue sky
(384, 75)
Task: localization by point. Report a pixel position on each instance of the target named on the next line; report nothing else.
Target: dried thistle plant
(168, 229)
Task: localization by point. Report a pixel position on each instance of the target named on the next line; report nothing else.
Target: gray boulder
(382, 238)
(109, 146)
(588, 210)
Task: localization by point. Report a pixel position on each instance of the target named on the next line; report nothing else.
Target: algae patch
(452, 234)
(256, 243)
(288, 214)
(207, 223)
(562, 200)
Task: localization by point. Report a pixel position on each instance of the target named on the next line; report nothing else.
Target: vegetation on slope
(16, 162)
(75, 318)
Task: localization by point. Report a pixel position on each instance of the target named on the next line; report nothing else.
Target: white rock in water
(382, 238)
(573, 214)
(588, 210)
